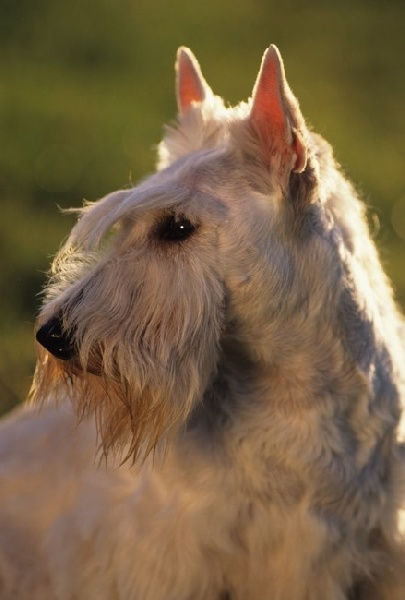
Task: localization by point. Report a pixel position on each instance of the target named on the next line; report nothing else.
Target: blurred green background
(86, 85)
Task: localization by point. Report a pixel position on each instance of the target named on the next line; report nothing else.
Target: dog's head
(230, 244)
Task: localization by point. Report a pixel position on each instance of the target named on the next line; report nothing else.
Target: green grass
(87, 85)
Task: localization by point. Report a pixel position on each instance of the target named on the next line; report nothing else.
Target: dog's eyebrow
(98, 218)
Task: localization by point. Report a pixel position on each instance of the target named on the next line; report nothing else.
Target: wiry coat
(254, 364)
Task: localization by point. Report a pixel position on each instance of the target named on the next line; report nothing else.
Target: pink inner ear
(268, 109)
(275, 112)
(190, 83)
(267, 104)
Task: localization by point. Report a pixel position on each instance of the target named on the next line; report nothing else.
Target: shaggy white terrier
(227, 328)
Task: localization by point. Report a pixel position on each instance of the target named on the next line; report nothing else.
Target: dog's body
(239, 335)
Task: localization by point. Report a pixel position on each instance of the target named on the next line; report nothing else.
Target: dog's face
(153, 279)
(133, 316)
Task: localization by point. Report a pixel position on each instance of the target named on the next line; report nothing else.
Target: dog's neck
(269, 410)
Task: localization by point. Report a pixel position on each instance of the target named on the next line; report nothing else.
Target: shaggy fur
(227, 327)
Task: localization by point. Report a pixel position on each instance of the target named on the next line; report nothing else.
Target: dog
(221, 376)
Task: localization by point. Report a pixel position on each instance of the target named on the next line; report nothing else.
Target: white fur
(262, 360)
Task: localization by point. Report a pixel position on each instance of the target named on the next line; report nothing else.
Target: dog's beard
(136, 411)
(142, 349)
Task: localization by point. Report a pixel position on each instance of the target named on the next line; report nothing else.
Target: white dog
(225, 326)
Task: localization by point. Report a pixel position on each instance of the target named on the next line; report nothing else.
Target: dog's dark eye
(176, 228)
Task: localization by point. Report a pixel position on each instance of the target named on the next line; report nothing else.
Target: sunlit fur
(263, 355)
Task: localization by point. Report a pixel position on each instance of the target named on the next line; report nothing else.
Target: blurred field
(86, 86)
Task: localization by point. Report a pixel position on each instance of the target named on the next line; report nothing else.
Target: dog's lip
(75, 366)
(89, 369)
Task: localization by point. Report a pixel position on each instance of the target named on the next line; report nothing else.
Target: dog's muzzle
(56, 340)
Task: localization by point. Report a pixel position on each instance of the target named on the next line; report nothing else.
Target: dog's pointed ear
(191, 85)
(276, 116)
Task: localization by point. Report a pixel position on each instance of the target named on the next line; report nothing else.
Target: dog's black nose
(57, 341)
